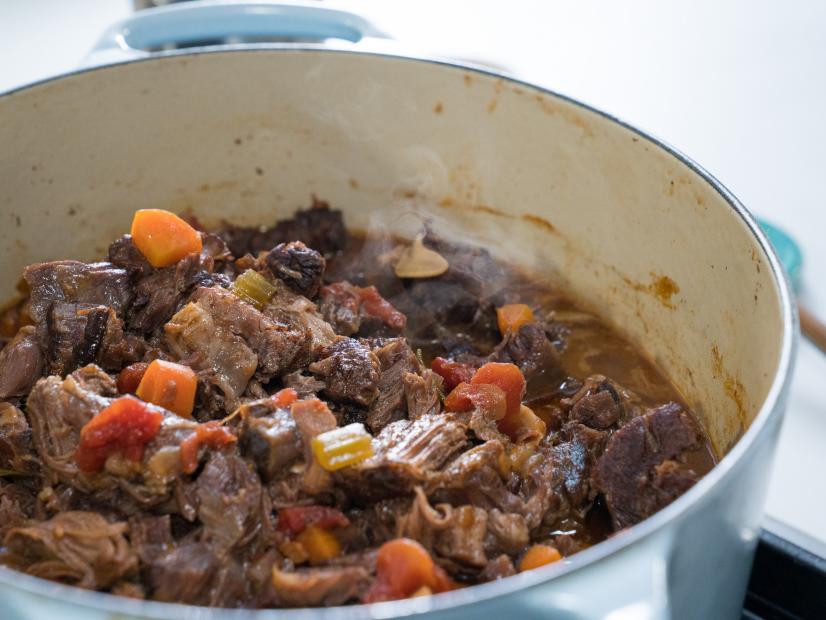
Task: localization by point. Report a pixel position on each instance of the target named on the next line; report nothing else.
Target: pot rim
(769, 411)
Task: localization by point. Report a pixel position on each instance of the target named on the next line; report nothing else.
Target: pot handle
(205, 23)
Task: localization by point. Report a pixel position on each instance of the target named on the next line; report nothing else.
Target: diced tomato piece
(295, 519)
(124, 427)
(130, 377)
(403, 566)
(488, 397)
(377, 306)
(284, 398)
(452, 372)
(210, 434)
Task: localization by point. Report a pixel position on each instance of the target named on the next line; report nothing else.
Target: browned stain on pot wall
(731, 384)
(661, 287)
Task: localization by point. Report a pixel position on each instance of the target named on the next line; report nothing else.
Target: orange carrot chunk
(511, 317)
(169, 385)
(539, 555)
(162, 237)
(403, 567)
(510, 379)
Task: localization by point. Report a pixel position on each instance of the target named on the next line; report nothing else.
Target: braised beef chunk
(16, 448)
(195, 573)
(598, 410)
(229, 501)
(529, 349)
(405, 455)
(350, 371)
(270, 439)
(21, 364)
(396, 359)
(256, 496)
(640, 471)
(58, 408)
(299, 267)
(150, 537)
(80, 548)
(422, 393)
(275, 344)
(80, 334)
(73, 282)
(162, 292)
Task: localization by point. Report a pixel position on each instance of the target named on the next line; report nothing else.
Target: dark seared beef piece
(350, 371)
(80, 548)
(16, 448)
(598, 410)
(162, 292)
(498, 568)
(318, 587)
(195, 573)
(17, 506)
(575, 458)
(150, 536)
(633, 475)
(531, 350)
(81, 334)
(304, 385)
(319, 227)
(269, 437)
(396, 359)
(229, 501)
(406, 454)
(299, 267)
(98, 284)
(126, 255)
(422, 393)
(57, 409)
(21, 363)
(588, 405)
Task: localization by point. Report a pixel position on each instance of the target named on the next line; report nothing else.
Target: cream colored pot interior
(620, 223)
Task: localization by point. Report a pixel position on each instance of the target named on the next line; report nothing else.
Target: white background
(738, 85)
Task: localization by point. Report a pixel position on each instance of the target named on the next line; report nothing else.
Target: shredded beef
(396, 359)
(21, 363)
(16, 449)
(80, 548)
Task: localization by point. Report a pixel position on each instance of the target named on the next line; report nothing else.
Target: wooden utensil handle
(812, 328)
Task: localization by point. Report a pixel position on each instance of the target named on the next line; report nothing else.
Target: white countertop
(739, 86)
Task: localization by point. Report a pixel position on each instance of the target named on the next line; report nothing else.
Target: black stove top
(787, 582)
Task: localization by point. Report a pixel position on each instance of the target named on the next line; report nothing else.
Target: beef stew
(272, 418)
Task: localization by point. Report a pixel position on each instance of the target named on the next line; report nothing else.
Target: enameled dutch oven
(628, 226)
